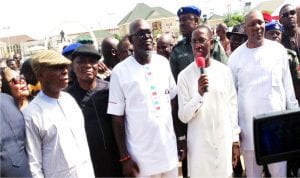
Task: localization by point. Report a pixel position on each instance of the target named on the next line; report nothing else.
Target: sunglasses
(142, 34)
(17, 80)
(286, 14)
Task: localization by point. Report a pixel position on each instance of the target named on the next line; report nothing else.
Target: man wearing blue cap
(273, 31)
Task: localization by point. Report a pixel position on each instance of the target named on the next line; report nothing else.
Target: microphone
(200, 61)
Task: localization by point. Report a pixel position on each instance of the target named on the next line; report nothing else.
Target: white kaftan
(150, 135)
(212, 120)
(55, 138)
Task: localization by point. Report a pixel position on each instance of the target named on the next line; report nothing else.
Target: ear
(130, 39)
(113, 52)
(212, 44)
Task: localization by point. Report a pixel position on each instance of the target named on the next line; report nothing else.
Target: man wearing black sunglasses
(291, 36)
(291, 40)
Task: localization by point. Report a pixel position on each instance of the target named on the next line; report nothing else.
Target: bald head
(165, 44)
(109, 51)
(136, 24)
(255, 28)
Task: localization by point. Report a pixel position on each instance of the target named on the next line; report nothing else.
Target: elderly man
(141, 89)
(91, 94)
(55, 137)
(165, 44)
(213, 131)
(221, 32)
(264, 84)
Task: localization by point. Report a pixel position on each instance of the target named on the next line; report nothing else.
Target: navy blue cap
(189, 9)
(86, 50)
(70, 48)
(273, 26)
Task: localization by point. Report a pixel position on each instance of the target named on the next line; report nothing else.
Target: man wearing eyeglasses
(262, 78)
(141, 89)
(213, 131)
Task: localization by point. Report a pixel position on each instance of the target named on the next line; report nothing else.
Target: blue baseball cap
(70, 48)
(189, 10)
(273, 26)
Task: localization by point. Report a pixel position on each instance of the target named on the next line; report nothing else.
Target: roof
(215, 17)
(16, 39)
(99, 34)
(269, 6)
(143, 11)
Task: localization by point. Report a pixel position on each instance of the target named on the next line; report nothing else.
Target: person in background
(91, 94)
(140, 93)
(109, 52)
(221, 31)
(67, 52)
(124, 48)
(291, 35)
(237, 36)
(13, 159)
(273, 32)
(33, 84)
(15, 85)
(165, 44)
(18, 59)
(12, 63)
(56, 141)
(264, 84)
(213, 131)
(298, 15)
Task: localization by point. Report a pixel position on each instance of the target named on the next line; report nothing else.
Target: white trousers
(169, 174)
(254, 170)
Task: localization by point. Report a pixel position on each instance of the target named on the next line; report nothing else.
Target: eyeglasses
(286, 14)
(142, 34)
(17, 80)
(200, 41)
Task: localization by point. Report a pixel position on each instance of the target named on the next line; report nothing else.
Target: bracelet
(125, 158)
(181, 138)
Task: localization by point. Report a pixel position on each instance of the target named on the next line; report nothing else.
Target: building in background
(161, 19)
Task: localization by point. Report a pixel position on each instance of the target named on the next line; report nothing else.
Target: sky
(42, 18)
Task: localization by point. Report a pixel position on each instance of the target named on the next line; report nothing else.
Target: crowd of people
(151, 103)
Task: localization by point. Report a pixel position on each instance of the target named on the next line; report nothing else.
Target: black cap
(86, 50)
(237, 30)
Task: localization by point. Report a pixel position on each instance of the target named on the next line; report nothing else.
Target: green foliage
(233, 19)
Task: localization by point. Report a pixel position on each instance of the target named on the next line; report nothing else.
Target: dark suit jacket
(13, 158)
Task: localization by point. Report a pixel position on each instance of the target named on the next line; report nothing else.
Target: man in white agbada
(141, 89)
(213, 131)
(55, 136)
(262, 78)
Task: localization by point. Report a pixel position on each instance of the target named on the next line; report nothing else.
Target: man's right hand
(202, 84)
(130, 168)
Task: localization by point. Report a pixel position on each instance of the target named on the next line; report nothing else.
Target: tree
(234, 19)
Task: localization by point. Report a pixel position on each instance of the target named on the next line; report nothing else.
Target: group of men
(132, 123)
